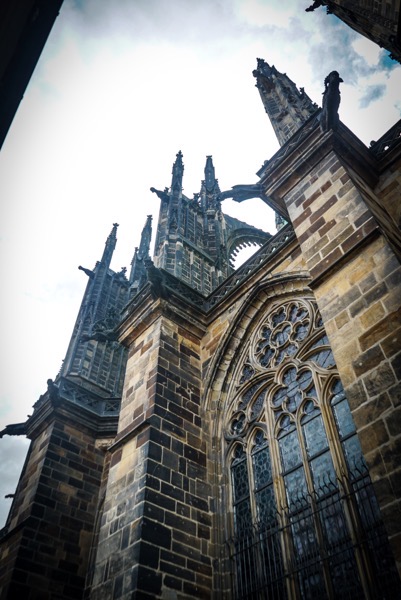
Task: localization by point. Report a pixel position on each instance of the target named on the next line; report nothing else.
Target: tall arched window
(306, 523)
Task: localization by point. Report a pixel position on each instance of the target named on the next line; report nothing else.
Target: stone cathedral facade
(231, 434)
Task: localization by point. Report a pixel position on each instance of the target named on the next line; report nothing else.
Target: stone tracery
(295, 461)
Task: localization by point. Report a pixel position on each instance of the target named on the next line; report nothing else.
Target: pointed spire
(210, 179)
(178, 172)
(146, 236)
(110, 246)
(287, 107)
(210, 190)
(138, 271)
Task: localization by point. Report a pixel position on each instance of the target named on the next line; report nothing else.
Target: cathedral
(223, 433)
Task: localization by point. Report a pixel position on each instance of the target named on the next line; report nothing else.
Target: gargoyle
(87, 272)
(104, 329)
(155, 277)
(162, 195)
(14, 429)
(314, 6)
(239, 193)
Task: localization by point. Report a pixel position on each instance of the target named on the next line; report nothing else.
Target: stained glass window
(304, 512)
(240, 485)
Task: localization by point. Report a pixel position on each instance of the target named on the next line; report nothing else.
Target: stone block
(358, 307)
(372, 410)
(356, 395)
(373, 436)
(156, 533)
(393, 422)
(368, 360)
(379, 380)
(373, 314)
(381, 330)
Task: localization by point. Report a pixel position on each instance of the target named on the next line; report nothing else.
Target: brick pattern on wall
(357, 284)
(54, 516)
(156, 529)
(328, 215)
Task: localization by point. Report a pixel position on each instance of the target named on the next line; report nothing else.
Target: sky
(120, 88)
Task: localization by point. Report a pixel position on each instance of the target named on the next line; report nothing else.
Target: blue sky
(120, 88)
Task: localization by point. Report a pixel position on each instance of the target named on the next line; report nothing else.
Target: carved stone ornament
(104, 329)
(288, 351)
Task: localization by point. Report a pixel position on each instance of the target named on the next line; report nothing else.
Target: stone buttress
(46, 543)
(339, 197)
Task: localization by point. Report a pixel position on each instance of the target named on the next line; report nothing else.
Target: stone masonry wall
(54, 517)
(357, 284)
(389, 191)
(155, 538)
(285, 262)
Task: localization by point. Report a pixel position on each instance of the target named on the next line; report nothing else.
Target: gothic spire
(138, 271)
(178, 172)
(210, 190)
(110, 246)
(287, 107)
(210, 179)
(146, 236)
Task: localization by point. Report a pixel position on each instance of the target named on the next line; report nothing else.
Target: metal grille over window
(306, 523)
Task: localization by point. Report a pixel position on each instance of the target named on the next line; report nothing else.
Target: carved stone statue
(331, 101)
(155, 278)
(53, 391)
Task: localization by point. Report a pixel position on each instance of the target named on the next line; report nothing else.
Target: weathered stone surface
(379, 379)
(368, 360)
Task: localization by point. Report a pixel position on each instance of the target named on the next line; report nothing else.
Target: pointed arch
(219, 375)
(297, 506)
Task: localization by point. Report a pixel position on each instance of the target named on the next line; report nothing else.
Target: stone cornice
(50, 410)
(152, 303)
(304, 152)
(387, 149)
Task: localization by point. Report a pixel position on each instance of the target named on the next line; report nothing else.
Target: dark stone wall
(51, 525)
(155, 537)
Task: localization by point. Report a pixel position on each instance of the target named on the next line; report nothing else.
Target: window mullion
(286, 543)
(355, 527)
(315, 511)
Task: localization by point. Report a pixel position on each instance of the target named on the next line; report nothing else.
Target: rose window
(282, 334)
(304, 516)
